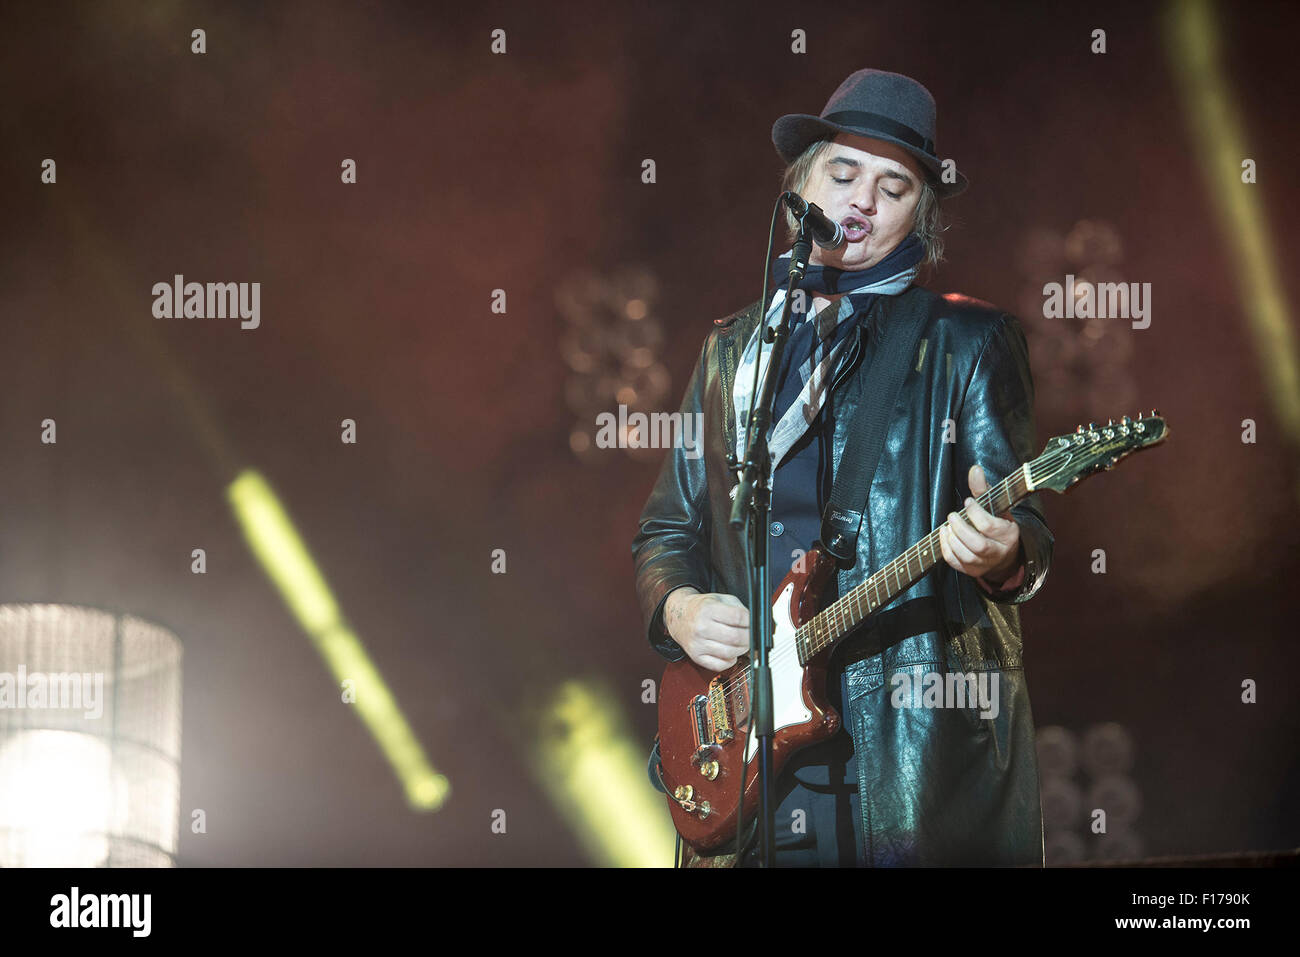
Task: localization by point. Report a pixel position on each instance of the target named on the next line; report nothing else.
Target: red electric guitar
(704, 715)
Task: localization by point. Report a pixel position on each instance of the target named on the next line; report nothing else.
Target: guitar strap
(898, 337)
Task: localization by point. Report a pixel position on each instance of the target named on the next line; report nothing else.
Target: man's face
(871, 188)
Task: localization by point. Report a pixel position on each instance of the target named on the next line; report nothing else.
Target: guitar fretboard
(836, 620)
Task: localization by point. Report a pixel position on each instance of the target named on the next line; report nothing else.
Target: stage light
(90, 733)
(1071, 823)
(59, 800)
(284, 557)
(1108, 749)
(612, 347)
(1058, 751)
(1223, 146)
(595, 774)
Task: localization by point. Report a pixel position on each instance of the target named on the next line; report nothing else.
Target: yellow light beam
(1222, 145)
(267, 528)
(280, 550)
(595, 774)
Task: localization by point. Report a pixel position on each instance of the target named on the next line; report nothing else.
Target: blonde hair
(927, 220)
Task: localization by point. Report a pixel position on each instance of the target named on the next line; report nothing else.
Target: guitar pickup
(718, 712)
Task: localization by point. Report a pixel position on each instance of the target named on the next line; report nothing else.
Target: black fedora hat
(885, 106)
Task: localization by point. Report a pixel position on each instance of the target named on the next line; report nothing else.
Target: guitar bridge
(702, 721)
(713, 720)
(718, 712)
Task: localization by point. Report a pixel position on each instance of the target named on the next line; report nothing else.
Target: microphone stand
(751, 507)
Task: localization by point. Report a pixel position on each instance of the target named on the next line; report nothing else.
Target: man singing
(904, 782)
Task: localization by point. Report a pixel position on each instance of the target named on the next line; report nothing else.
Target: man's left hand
(988, 546)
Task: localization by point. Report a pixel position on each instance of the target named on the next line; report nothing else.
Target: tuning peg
(1126, 421)
(1110, 422)
(1079, 430)
(1092, 426)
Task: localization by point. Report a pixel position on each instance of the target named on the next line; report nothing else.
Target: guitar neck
(834, 622)
(1066, 459)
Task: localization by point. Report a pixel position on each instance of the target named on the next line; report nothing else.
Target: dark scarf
(827, 280)
(804, 345)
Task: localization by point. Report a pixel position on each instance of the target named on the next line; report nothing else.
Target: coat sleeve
(671, 547)
(996, 431)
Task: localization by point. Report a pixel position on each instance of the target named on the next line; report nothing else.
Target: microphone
(824, 233)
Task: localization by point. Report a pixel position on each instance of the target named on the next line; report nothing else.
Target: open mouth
(855, 228)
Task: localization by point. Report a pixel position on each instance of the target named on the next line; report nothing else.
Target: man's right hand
(712, 629)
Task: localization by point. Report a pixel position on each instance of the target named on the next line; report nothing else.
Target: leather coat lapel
(733, 334)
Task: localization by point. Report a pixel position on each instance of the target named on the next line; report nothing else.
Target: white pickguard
(787, 674)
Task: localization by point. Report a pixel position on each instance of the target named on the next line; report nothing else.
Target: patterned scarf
(815, 341)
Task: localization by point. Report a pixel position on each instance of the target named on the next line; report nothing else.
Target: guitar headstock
(1076, 455)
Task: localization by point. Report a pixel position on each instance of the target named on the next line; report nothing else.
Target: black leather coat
(938, 786)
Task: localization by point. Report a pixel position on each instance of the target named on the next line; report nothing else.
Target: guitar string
(837, 608)
(834, 610)
(840, 607)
